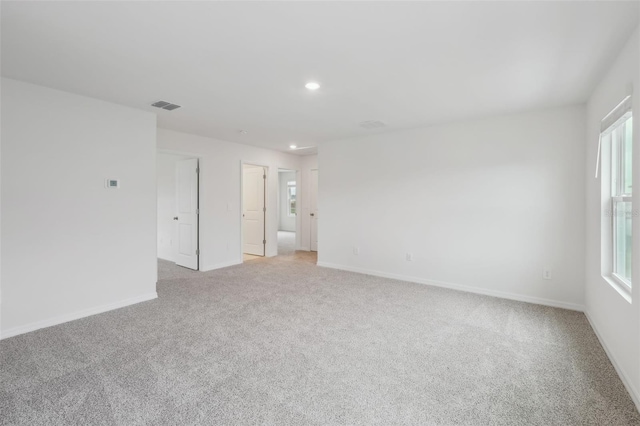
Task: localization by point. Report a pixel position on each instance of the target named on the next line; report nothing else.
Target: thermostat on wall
(112, 183)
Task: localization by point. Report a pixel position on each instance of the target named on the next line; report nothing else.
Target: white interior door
(187, 213)
(253, 210)
(314, 210)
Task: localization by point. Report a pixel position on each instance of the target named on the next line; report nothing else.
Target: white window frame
(617, 193)
(612, 138)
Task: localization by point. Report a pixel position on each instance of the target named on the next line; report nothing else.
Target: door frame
(310, 212)
(266, 204)
(199, 158)
(298, 226)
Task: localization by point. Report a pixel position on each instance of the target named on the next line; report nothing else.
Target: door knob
(312, 214)
(175, 218)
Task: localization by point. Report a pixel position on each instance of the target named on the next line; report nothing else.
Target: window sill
(618, 286)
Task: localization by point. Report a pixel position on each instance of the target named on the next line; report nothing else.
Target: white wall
(616, 321)
(482, 206)
(71, 247)
(307, 163)
(220, 173)
(0, 196)
(166, 183)
(287, 223)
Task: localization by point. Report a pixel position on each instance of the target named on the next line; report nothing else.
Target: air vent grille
(372, 124)
(165, 105)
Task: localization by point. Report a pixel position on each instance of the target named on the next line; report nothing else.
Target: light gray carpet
(283, 342)
(286, 243)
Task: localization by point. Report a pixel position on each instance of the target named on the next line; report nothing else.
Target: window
(291, 198)
(617, 144)
(621, 204)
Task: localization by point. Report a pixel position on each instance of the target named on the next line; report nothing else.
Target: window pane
(628, 156)
(622, 229)
(291, 196)
(615, 162)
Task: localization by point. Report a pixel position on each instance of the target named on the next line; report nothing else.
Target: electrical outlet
(546, 274)
(356, 250)
(409, 257)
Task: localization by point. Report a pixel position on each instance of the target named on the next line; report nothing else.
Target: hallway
(286, 250)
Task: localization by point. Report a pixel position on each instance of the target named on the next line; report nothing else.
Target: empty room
(319, 213)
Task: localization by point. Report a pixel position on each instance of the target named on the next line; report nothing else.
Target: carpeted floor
(286, 243)
(281, 341)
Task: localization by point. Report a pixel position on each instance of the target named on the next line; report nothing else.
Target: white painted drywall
(482, 205)
(407, 63)
(287, 223)
(0, 200)
(70, 245)
(307, 163)
(166, 182)
(220, 173)
(616, 321)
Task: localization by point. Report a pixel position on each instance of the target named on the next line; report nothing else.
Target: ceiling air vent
(372, 124)
(165, 105)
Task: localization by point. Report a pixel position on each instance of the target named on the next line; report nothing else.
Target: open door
(187, 172)
(253, 210)
(314, 210)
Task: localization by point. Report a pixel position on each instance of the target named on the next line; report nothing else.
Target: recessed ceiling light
(293, 146)
(312, 85)
(372, 124)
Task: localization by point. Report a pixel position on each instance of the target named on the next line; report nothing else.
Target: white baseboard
(635, 395)
(168, 260)
(302, 248)
(76, 315)
(486, 292)
(220, 265)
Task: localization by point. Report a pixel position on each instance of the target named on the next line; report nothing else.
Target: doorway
(287, 211)
(313, 209)
(254, 210)
(178, 209)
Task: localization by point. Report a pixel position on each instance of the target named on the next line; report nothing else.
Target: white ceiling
(244, 65)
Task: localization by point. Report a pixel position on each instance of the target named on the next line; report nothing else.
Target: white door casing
(253, 210)
(314, 210)
(187, 213)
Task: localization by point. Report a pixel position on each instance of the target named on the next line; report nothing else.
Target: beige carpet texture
(280, 341)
